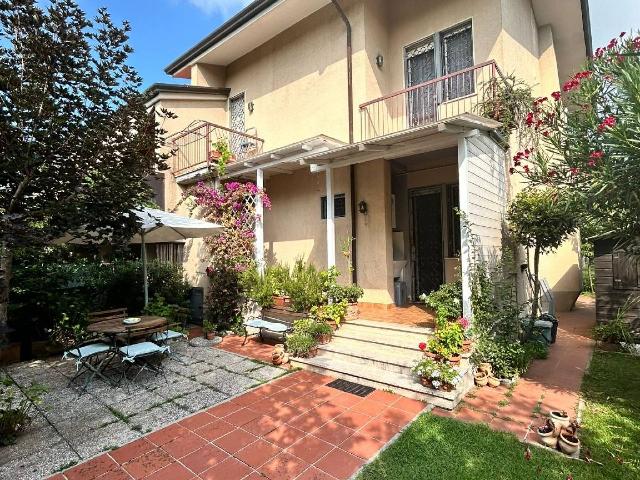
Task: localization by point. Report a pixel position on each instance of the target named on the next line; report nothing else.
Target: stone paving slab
(71, 428)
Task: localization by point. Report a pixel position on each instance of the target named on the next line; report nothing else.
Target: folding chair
(144, 355)
(92, 358)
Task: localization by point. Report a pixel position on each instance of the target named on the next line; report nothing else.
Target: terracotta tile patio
(263, 434)
(553, 383)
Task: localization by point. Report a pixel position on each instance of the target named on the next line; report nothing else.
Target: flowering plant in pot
(436, 375)
(466, 332)
(568, 441)
(301, 344)
(447, 342)
(547, 434)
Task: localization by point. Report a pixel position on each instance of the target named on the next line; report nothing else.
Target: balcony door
(443, 53)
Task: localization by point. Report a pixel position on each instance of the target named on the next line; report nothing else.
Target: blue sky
(164, 29)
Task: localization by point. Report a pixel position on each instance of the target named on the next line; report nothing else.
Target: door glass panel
(427, 231)
(236, 113)
(457, 54)
(421, 68)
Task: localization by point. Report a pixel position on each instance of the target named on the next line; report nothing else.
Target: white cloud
(224, 7)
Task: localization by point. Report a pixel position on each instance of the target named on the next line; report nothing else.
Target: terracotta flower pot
(447, 387)
(281, 301)
(426, 382)
(215, 155)
(466, 346)
(454, 360)
(211, 335)
(324, 338)
(493, 382)
(353, 312)
(569, 444)
(547, 434)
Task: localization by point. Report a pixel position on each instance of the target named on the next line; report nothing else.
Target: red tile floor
(292, 428)
(253, 348)
(553, 383)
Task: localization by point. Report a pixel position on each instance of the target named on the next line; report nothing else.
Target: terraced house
(361, 120)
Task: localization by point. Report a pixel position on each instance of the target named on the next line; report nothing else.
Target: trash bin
(400, 293)
(554, 325)
(545, 327)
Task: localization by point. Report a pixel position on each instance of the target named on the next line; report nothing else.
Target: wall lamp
(379, 60)
(363, 208)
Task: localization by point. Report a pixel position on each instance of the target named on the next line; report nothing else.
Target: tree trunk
(536, 283)
(5, 281)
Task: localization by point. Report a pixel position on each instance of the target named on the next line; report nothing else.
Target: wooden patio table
(116, 326)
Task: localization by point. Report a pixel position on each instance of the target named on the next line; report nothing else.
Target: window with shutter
(625, 270)
(339, 206)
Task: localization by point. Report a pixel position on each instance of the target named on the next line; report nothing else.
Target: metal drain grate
(350, 387)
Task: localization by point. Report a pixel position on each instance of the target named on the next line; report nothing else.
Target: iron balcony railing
(430, 102)
(195, 146)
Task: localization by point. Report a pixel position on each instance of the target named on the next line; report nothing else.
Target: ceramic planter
(485, 367)
(547, 435)
(481, 378)
(353, 312)
(560, 419)
(569, 444)
(493, 382)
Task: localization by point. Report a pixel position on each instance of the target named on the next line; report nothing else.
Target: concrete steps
(381, 355)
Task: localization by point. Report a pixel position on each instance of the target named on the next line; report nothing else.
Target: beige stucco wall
(297, 83)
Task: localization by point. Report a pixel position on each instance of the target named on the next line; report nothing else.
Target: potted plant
(547, 434)
(569, 442)
(481, 378)
(333, 313)
(560, 419)
(447, 342)
(301, 344)
(467, 341)
(492, 381)
(436, 375)
(209, 329)
(348, 294)
(320, 330)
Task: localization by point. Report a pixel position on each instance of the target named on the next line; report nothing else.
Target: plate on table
(131, 320)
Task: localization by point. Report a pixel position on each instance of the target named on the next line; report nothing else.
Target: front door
(428, 263)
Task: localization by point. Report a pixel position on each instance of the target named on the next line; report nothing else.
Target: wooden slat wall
(608, 298)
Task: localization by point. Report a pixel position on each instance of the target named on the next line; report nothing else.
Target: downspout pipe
(352, 170)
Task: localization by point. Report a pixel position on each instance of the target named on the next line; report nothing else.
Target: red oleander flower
(526, 168)
(551, 173)
(556, 96)
(422, 346)
(592, 163)
(608, 122)
(546, 133)
(512, 170)
(597, 154)
(529, 120)
(574, 170)
(622, 34)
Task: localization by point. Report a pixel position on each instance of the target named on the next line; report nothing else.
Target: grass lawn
(442, 448)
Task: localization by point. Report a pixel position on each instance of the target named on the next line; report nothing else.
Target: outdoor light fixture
(363, 208)
(250, 106)
(379, 60)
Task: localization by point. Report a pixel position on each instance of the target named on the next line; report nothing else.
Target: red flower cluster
(574, 170)
(517, 159)
(574, 82)
(422, 346)
(556, 96)
(594, 157)
(608, 122)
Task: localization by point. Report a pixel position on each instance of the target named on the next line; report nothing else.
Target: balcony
(430, 102)
(194, 145)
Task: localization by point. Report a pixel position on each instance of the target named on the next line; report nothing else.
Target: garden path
(553, 383)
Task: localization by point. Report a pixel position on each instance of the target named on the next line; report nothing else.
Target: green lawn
(442, 448)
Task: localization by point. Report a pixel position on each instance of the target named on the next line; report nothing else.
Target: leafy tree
(76, 140)
(584, 140)
(541, 219)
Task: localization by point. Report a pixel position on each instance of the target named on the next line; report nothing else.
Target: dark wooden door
(427, 241)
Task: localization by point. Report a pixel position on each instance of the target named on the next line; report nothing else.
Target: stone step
(403, 384)
(362, 352)
(377, 336)
(387, 327)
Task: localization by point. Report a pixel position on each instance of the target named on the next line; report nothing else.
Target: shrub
(174, 313)
(258, 288)
(508, 360)
(15, 408)
(304, 287)
(300, 343)
(536, 350)
(332, 312)
(348, 293)
(312, 327)
(446, 301)
(614, 331)
(223, 298)
(447, 340)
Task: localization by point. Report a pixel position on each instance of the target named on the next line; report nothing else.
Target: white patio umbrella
(157, 226)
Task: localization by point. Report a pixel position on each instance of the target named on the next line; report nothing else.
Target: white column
(465, 253)
(331, 228)
(259, 227)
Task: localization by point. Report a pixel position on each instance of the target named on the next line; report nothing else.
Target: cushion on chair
(272, 326)
(167, 335)
(86, 351)
(131, 352)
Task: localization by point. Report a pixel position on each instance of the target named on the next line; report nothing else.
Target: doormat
(350, 387)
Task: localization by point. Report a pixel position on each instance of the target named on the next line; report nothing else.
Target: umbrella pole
(144, 269)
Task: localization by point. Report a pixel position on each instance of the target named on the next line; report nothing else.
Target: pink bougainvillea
(233, 207)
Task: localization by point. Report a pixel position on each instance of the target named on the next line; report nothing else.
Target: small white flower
(436, 384)
(435, 374)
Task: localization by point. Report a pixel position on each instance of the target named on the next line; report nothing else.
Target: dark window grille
(339, 206)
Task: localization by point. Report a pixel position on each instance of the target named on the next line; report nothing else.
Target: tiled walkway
(253, 348)
(292, 428)
(412, 314)
(553, 383)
